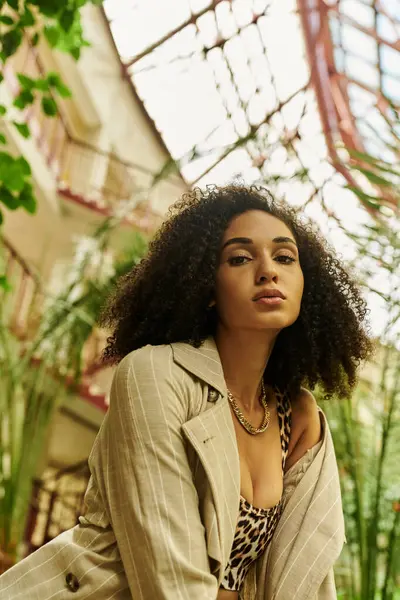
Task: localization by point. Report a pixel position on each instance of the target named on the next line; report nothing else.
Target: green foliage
(10, 42)
(49, 106)
(37, 374)
(15, 187)
(377, 179)
(366, 429)
(22, 128)
(366, 433)
(60, 24)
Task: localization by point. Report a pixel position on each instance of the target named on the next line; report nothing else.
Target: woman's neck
(244, 356)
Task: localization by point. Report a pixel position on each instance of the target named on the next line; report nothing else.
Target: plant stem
(373, 529)
(353, 468)
(390, 552)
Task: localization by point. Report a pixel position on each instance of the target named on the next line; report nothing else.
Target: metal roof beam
(190, 21)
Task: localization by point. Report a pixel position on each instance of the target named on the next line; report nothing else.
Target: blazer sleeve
(140, 464)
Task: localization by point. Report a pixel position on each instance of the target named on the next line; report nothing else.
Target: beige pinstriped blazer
(163, 499)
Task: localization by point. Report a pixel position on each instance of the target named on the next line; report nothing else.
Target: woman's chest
(260, 458)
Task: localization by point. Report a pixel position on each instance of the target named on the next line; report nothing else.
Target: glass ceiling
(366, 42)
(218, 89)
(228, 86)
(242, 89)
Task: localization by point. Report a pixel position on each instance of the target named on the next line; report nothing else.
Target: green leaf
(11, 42)
(27, 199)
(372, 201)
(378, 164)
(25, 81)
(42, 85)
(3, 279)
(23, 129)
(1, 221)
(3, 110)
(6, 163)
(1, 77)
(67, 19)
(54, 81)
(49, 8)
(52, 35)
(25, 166)
(13, 178)
(27, 19)
(374, 178)
(63, 91)
(13, 4)
(35, 39)
(49, 106)
(6, 20)
(76, 53)
(3, 139)
(23, 99)
(7, 198)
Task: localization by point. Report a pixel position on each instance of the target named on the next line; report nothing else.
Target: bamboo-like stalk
(396, 521)
(355, 475)
(374, 522)
(389, 576)
(372, 534)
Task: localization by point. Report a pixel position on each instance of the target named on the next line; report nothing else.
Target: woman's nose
(267, 271)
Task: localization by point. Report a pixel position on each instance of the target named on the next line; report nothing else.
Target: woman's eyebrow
(237, 240)
(284, 240)
(244, 240)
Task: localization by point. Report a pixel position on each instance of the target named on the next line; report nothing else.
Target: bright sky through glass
(230, 95)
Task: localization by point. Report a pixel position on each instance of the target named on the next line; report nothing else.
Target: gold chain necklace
(242, 419)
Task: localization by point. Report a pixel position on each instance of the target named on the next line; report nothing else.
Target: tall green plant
(36, 374)
(366, 429)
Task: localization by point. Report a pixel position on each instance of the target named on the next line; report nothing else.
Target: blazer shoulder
(152, 371)
(147, 363)
(143, 356)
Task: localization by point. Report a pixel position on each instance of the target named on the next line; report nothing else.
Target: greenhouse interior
(110, 112)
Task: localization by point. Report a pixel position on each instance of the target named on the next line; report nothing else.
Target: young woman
(213, 474)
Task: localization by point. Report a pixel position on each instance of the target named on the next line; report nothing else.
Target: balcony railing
(18, 304)
(84, 172)
(56, 504)
(21, 311)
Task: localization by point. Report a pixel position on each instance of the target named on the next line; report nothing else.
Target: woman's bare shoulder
(306, 426)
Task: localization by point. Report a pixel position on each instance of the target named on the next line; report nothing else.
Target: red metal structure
(335, 84)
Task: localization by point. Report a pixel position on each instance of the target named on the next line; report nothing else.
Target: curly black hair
(165, 298)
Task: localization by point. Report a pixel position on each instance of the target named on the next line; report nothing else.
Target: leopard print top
(256, 526)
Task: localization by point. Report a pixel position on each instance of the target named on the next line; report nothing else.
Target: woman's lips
(269, 300)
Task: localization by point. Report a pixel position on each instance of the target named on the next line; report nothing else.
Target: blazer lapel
(212, 435)
(310, 533)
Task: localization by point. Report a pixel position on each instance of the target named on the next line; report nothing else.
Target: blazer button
(212, 395)
(72, 582)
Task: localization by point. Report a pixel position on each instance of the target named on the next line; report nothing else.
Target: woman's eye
(238, 260)
(284, 259)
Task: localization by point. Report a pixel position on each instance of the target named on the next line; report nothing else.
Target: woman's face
(259, 282)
